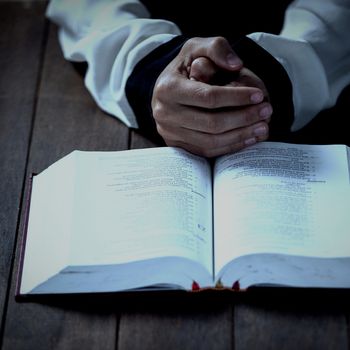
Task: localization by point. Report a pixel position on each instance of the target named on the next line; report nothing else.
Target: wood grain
(292, 320)
(178, 325)
(22, 31)
(66, 119)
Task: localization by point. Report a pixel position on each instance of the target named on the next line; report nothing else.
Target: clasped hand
(208, 103)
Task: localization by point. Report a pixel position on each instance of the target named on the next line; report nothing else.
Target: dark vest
(229, 18)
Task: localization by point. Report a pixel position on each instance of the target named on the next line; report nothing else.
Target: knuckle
(163, 86)
(158, 111)
(217, 42)
(187, 45)
(190, 44)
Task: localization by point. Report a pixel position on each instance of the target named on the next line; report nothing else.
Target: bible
(274, 214)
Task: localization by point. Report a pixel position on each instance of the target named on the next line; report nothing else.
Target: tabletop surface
(45, 113)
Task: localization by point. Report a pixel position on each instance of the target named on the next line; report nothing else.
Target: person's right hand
(206, 119)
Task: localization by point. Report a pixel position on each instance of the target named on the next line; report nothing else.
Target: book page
(49, 225)
(283, 199)
(141, 204)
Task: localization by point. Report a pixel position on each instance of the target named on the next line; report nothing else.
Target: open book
(273, 214)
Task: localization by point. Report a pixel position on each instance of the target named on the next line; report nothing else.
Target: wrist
(140, 84)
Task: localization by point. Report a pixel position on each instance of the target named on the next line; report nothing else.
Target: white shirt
(112, 36)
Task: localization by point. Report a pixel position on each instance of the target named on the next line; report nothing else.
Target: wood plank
(59, 328)
(67, 118)
(300, 321)
(21, 37)
(177, 323)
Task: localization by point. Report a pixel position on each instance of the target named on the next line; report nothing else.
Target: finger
(208, 143)
(247, 78)
(211, 121)
(222, 120)
(217, 49)
(202, 69)
(208, 153)
(211, 153)
(196, 93)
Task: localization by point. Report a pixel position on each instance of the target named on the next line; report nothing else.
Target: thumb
(202, 69)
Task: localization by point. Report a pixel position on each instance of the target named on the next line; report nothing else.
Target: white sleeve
(314, 48)
(112, 37)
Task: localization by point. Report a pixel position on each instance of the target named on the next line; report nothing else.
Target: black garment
(229, 18)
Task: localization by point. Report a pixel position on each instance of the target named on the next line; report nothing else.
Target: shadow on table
(287, 299)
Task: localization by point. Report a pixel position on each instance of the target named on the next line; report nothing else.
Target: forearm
(314, 48)
(112, 37)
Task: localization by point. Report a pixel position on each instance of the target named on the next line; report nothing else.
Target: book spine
(24, 235)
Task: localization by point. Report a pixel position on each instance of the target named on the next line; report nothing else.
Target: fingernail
(257, 97)
(249, 142)
(265, 112)
(260, 131)
(233, 60)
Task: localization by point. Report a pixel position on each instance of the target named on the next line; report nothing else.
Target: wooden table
(45, 113)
